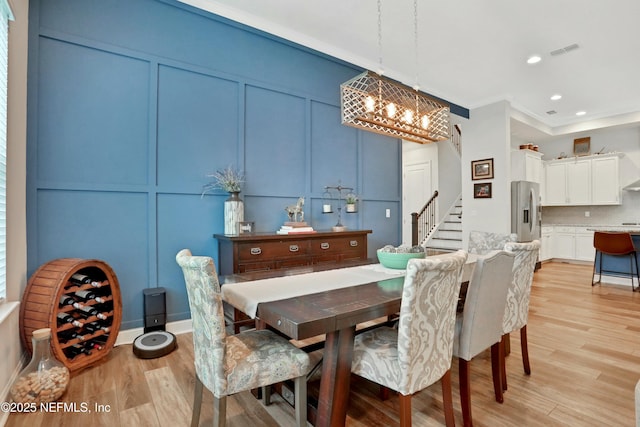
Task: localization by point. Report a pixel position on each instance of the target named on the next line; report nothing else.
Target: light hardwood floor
(584, 348)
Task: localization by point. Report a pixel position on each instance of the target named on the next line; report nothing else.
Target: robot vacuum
(155, 341)
(154, 344)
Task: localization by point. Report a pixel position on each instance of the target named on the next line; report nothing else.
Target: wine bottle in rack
(95, 345)
(104, 307)
(67, 318)
(66, 336)
(96, 326)
(68, 300)
(80, 279)
(85, 294)
(88, 311)
(76, 349)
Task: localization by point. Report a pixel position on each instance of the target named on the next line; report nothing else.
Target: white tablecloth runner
(246, 296)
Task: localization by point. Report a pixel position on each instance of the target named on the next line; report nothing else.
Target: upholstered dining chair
(482, 242)
(516, 313)
(228, 364)
(418, 353)
(479, 326)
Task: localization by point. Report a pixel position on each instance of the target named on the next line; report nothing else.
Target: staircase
(448, 234)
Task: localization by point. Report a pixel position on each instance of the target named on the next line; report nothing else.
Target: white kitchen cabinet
(589, 180)
(570, 242)
(564, 242)
(605, 181)
(526, 165)
(584, 245)
(579, 182)
(556, 184)
(546, 243)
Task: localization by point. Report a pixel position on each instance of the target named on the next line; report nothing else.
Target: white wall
(16, 196)
(485, 136)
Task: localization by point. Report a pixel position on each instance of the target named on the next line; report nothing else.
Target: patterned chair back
(482, 242)
(207, 316)
(427, 319)
(516, 313)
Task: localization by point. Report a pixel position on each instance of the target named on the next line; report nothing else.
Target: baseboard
(4, 415)
(177, 328)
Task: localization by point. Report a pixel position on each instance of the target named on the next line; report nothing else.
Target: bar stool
(615, 244)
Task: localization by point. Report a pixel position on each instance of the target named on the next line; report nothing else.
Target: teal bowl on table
(397, 260)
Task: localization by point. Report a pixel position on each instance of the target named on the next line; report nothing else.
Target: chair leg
(496, 359)
(635, 258)
(447, 399)
(593, 274)
(219, 411)
(197, 403)
(300, 385)
(465, 392)
(266, 395)
(503, 363)
(525, 350)
(405, 410)
(384, 393)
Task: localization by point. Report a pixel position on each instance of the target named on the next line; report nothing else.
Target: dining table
(332, 302)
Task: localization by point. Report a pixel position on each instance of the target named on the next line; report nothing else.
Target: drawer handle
(324, 245)
(256, 251)
(353, 243)
(293, 248)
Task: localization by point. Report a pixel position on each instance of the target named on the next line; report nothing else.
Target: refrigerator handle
(534, 208)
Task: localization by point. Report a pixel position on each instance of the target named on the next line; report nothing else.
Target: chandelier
(375, 103)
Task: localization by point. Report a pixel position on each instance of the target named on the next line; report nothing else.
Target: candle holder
(343, 195)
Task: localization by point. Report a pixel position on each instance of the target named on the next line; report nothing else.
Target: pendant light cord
(380, 68)
(415, 40)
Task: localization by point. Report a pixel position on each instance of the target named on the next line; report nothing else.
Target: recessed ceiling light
(556, 97)
(534, 59)
(581, 113)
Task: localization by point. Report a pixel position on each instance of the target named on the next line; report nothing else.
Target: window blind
(5, 16)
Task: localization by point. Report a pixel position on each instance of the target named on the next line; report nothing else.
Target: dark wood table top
(320, 313)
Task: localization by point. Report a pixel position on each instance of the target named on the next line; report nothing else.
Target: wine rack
(75, 345)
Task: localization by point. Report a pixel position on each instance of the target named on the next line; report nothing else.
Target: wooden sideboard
(270, 251)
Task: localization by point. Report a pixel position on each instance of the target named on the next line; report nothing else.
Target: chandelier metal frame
(378, 104)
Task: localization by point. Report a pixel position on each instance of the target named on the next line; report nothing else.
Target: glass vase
(44, 379)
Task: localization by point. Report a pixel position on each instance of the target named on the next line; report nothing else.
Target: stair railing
(423, 222)
(456, 138)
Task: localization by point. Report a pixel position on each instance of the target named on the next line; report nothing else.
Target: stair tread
(447, 238)
(450, 229)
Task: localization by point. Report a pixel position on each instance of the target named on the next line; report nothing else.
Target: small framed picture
(482, 190)
(482, 169)
(582, 146)
(246, 227)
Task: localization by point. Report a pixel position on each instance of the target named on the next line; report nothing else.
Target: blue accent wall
(133, 102)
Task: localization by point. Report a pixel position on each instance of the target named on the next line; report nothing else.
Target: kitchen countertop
(630, 228)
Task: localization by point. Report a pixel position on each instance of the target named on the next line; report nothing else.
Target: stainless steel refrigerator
(526, 213)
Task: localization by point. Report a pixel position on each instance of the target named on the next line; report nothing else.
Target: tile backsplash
(628, 211)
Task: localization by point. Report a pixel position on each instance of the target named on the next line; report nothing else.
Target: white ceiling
(473, 53)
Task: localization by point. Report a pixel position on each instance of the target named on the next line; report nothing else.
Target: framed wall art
(482, 190)
(482, 169)
(582, 146)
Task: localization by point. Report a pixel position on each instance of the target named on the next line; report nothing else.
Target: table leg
(336, 375)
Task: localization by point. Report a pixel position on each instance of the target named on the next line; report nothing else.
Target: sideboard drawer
(337, 245)
(257, 251)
